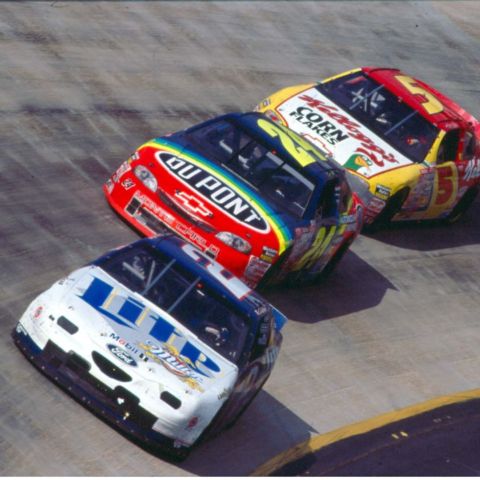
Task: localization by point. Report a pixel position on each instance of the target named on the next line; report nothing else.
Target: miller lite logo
(214, 190)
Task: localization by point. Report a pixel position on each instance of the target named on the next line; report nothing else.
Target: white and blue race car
(156, 338)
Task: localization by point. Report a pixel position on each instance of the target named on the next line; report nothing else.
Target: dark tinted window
(285, 188)
(183, 295)
(384, 113)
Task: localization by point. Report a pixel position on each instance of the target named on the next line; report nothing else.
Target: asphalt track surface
(439, 443)
(83, 84)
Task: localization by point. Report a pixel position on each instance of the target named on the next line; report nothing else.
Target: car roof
(251, 304)
(452, 116)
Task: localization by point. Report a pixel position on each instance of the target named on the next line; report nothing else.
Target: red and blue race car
(254, 195)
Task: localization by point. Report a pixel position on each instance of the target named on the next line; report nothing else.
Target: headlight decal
(234, 241)
(146, 177)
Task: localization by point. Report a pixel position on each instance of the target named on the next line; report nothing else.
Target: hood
(353, 145)
(208, 195)
(148, 341)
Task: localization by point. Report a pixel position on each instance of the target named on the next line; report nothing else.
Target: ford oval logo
(122, 355)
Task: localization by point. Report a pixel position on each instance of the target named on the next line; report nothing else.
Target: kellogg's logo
(214, 190)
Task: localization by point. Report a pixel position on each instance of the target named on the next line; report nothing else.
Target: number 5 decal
(447, 186)
(429, 102)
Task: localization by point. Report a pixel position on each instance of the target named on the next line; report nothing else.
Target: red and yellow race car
(411, 153)
(252, 194)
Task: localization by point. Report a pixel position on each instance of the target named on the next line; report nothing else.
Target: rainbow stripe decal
(281, 230)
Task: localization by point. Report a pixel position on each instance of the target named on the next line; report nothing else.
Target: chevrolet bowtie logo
(193, 204)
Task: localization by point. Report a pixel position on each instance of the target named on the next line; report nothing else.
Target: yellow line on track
(319, 441)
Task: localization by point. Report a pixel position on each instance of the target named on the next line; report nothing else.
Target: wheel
(393, 206)
(334, 261)
(270, 277)
(232, 422)
(462, 205)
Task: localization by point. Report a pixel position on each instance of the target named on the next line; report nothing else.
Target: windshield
(384, 113)
(274, 180)
(183, 295)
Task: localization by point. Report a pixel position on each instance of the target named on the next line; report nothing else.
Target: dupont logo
(214, 190)
(122, 355)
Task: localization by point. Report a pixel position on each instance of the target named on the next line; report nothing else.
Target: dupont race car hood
(125, 325)
(353, 145)
(206, 193)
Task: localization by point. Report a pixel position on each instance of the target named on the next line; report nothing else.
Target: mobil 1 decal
(213, 189)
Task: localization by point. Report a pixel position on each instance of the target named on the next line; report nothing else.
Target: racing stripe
(343, 74)
(283, 233)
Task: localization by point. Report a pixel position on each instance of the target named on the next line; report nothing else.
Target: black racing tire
(462, 206)
(393, 206)
(333, 262)
(269, 278)
(234, 420)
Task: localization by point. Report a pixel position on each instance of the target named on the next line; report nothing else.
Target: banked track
(83, 84)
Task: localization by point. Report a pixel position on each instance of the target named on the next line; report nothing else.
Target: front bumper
(119, 407)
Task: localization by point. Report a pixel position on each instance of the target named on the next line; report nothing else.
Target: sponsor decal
(124, 343)
(122, 355)
(192, 423)
(269, 252)
(472, 170)
(21, 329)
(375, 152)
(283, 234)
(421, 194)
(346, 219)
(376, 204)
(37, 313)
(193, 204)
(128, 183)
(124, 167)
(255, 270)
(359, 161)
(317, 124)
(213, 189)
(170, 358)
(382, 191)
(194, 237)
(186, 231)
(162, 214)
(131, 313)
